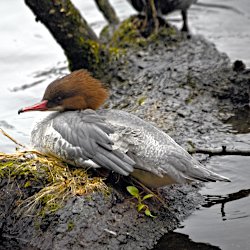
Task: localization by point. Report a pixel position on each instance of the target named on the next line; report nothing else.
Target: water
(224, 223)
(30, 55)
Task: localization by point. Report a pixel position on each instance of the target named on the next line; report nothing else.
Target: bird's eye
(58, 98)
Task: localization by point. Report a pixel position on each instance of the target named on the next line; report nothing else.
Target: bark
(108, 11)
(70, 30)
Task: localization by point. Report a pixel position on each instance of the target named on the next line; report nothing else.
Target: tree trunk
(71, 31)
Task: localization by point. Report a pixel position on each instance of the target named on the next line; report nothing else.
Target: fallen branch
(220, 151)
(108, 11)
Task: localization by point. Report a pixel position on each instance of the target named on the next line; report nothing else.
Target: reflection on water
(224, 220)
(212, 200)
(178, 241)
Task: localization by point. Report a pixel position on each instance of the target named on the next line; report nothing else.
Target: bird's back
(121, 142)
(153, 150)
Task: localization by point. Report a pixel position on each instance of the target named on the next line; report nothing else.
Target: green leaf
(133, 191)
(140, 207)
(147, 196)
(148, 213)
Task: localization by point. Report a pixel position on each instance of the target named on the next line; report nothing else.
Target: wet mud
(188, 90)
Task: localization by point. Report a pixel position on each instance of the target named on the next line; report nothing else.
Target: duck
(82, 134)
(164, 7)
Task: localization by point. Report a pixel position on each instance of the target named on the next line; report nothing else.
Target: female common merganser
(164, 7)
(81, 135)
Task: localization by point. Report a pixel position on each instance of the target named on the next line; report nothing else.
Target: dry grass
(57, 181)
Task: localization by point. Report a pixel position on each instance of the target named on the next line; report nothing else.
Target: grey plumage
(118, 141)
(153, 150)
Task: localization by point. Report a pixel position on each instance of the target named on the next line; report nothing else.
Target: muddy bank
(188, 90)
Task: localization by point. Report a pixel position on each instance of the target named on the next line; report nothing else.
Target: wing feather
(87, 137)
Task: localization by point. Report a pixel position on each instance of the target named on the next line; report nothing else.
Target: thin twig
(149, 190)
(220, 151)
(11, 138)
(108, 11)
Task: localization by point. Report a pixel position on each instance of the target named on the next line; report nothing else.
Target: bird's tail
(209, 175)
(217, 177)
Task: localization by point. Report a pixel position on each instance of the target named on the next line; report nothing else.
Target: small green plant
(70, 225)
(140, 206)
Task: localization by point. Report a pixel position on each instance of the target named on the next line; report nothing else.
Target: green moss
(168, 32)
(116, 53)
(127, 35)
(96, 56)
(44, 182)
(95, 49)
(70, 225)
(27, 184)
(141, 100)
(130, 34)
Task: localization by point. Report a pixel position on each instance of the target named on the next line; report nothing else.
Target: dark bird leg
(185, 21)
